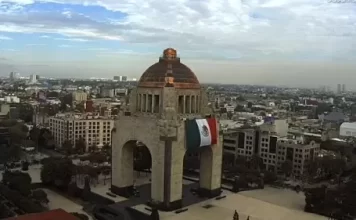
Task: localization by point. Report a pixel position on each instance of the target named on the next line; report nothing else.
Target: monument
(169, 113)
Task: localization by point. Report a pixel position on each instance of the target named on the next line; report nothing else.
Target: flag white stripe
(205, 140)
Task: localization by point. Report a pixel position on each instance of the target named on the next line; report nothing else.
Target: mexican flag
(200, 133)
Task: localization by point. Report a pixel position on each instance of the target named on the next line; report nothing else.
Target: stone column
(146, 106)
(153, 103)
(138, 102)
(197, 101)
(141, 104)
(190, 104)
(210, 170)
(157, 175)
(184, 107)
(122, 168)
(172, 176)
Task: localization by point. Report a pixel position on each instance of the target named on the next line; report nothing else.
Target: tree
(154, 214)
(80, 107)
(26, 112)
(239, 108)
(73, 189)
(86, 191)
(25, 165)
(106, 149)
(312, 168)
(18, 181)
(106, 173)
(236, 216)
(35, 134)
(93, 148)
(57, 172)
(8, 123)
(256, 162)
(80, 146)
(67, 146)
(45, 138)
(287, 167)
(18, 133)
(40, 196)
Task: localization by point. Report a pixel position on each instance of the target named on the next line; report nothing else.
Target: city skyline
(275, 42)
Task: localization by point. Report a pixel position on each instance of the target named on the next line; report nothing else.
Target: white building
(348, 129)
(33, 79)
(95, 130)
(11, 99)
(229, 108)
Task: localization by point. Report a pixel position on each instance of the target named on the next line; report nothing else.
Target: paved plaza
(59, 202)
(245, 205)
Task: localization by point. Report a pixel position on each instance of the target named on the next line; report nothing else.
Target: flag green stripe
(192, 135)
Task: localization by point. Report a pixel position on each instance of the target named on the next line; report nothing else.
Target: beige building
(272, 149)
(94, 130)
(79, 96)
(298, 152)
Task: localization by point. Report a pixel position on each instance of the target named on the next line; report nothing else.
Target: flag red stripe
(213, 130)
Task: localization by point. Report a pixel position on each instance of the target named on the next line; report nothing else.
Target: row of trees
(42, 138)
(59, 172)
(338, 203)
(16, 187)
(11, 148)
(80, 147)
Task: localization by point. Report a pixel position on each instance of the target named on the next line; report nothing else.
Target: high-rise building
(33, 79)
(338, 88)
(120, 78)
(343, 89)
(12, 76)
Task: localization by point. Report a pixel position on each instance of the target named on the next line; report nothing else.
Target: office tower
(338, 88)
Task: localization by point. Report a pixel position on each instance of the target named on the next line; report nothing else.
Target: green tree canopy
(57, 172)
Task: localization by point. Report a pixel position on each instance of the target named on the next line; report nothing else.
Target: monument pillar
(211, 170)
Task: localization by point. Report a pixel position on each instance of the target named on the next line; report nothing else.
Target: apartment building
(298, 152)
(271, 148)
(79, 96)
(247, 142)
(94, 129)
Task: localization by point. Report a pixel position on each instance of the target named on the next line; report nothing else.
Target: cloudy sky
(280, 42)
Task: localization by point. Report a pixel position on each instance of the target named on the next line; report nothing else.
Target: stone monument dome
(154, 76)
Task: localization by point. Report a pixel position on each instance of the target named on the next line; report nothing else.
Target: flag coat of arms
(200, 133)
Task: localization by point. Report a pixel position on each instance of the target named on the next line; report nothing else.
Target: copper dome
(154, 76)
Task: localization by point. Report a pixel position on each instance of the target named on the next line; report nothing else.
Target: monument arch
(167, 102)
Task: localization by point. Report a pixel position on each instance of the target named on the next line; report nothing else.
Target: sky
(275, 42)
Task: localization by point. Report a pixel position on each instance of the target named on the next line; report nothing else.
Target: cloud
(244, 29)
(2, 37)
(34, 45)
(9, 50)
(73, 39)
(65, 46)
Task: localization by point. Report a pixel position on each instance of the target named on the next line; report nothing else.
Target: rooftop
(57, 214)
(80, 116)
